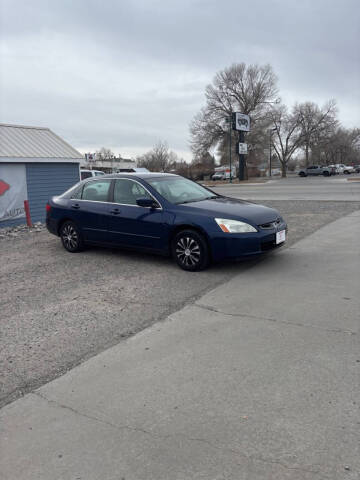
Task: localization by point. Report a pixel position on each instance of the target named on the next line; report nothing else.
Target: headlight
(234, 226)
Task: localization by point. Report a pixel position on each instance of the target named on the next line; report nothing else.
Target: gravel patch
(13, 232)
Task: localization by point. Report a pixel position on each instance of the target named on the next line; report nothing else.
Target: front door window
(126, 192)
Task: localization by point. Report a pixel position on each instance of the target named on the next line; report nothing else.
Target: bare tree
(202, 166)
(179, 166)
(315, 122)
(342, 146)
(287, 137)
(104, 153)
(158, 159)
(248, 89)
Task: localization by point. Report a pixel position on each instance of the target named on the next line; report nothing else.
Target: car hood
(225, 207)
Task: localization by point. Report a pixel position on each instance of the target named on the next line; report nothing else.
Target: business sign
(242, 148)
(241, 122)
(90, 157)
(13, 191)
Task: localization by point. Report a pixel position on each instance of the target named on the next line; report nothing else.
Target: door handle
(115, 211)
(75, 206)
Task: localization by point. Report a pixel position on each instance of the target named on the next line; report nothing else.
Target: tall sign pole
(241, 123)
(241, 157)
(230, 150)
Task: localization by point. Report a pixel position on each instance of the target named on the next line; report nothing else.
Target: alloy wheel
(188, 251)
(70, 237)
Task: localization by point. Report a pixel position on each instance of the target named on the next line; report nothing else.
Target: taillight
(48, 207)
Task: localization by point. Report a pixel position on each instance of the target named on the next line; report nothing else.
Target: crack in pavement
(274, 320)
(157, 436)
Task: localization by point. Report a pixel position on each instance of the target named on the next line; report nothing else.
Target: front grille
(274, 224)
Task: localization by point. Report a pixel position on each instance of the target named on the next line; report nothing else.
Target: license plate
(281, 236)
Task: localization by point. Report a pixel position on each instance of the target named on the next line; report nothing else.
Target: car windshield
(180, 190)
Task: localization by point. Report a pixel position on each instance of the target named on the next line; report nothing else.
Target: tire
(326, 174)
(302, 174)
(190, 251)
(71, 237)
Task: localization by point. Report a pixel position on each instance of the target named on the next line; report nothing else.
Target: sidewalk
(258, 380)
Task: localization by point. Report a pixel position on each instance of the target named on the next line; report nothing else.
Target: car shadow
(149, 259)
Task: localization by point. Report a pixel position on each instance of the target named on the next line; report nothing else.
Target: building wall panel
(46, 180)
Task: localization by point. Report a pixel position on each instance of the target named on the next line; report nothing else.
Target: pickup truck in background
(317, 170)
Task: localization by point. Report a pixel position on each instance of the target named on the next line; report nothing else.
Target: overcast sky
(124, 74)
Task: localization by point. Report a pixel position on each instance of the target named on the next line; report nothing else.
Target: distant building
(35, 164)
(108, 165)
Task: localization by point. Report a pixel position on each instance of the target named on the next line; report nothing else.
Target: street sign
(241, 122)
(242, 148)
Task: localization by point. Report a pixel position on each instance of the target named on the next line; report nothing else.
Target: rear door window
(96, 191)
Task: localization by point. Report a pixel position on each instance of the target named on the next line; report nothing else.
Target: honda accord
(165, 214)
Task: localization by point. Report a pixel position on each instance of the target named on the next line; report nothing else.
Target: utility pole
(270, 167)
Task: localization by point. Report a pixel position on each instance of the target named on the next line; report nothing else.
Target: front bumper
(232, 246)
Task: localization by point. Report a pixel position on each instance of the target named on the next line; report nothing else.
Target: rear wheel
(190, 251)
(326, 174)
(71, 237)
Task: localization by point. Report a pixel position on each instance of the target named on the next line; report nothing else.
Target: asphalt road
(58, 309)
(338, 188)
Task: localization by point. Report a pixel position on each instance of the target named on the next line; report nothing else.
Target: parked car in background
(349, 169)
(316, 170)
(357, 168)
(90, 173)
(132, 170)
(335, 169)
(346, 169)
(165, 214)
(218, 176)
(340, 167)
(332, 169)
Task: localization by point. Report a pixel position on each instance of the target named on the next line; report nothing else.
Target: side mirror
(147, 203)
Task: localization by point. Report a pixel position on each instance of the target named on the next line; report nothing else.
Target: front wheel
(190, 251)
(71, 237)
(326, 174)
(302, 174)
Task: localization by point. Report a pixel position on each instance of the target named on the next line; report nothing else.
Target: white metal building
(35, 164)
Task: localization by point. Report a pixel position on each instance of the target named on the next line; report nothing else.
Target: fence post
(27, 212)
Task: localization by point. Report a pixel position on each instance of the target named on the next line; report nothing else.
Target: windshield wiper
(198, 199)
(187, 201)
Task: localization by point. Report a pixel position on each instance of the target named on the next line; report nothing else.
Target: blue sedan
(164, 214)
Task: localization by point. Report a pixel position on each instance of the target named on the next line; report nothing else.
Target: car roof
(141, 175)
